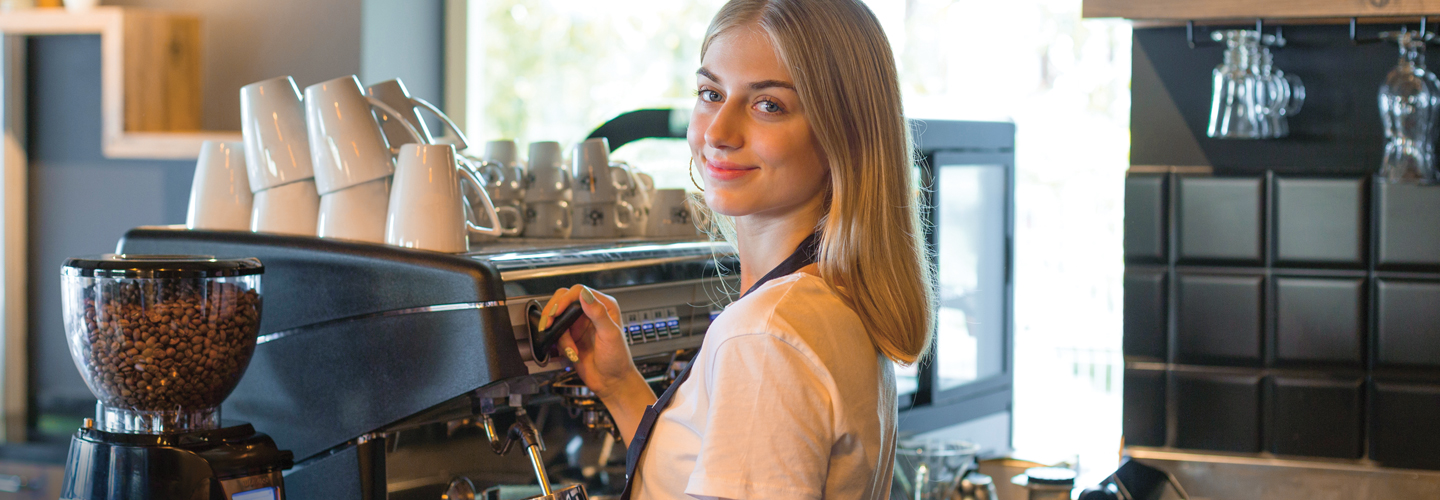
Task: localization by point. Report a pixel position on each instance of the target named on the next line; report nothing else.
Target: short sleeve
(770, 421)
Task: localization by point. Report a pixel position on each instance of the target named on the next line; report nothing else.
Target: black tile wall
(1320, 320)
(1320, 221)
(1144, 314)
(1145, 218)
(1217, 412)
(1316, 417)
(1144, 399)
(1272, 305)
(1409, 234)
(1407, 324)
(1219, 319)
(1220, 219)
(1403, 430)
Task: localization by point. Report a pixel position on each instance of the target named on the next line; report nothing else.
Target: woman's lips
(725, 171)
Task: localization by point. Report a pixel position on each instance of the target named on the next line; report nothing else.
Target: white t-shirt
(787, 399)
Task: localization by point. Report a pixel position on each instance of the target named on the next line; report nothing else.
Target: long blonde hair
(872, 250)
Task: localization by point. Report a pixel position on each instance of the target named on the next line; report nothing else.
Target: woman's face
(748, 135)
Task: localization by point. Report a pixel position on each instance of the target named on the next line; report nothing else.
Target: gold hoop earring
(691, 169)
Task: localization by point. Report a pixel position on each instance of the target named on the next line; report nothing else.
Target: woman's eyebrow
(763, 84)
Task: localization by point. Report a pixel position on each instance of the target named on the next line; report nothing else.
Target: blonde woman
(799, 138)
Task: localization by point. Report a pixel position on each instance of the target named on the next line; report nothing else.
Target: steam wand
(524, 430)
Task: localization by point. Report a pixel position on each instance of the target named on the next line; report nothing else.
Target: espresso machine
(161, 341)
(397, 373)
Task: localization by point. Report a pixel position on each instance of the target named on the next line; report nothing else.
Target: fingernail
(544, 322)
(549, 310)
(573, 356)
(586, 296)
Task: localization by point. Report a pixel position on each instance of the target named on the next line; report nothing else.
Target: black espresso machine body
(367, 348)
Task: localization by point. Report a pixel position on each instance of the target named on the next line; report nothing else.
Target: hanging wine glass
(1408, 102)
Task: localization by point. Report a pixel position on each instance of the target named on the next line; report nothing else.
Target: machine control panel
(652, 325)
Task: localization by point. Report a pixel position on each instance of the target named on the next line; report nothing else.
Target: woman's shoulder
(801, 310)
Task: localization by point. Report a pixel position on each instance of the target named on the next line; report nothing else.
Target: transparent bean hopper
(161, 340)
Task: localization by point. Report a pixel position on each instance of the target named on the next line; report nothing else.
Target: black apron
(804, 255)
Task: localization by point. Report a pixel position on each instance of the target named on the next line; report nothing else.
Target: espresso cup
(638, 196)
(288, 209)
(508, 185)
(220, 196)
(596, 179)
(547, 179)
(347, 146)
(548, 219)
(671, 215)
(355, 213)
(272, 124)
(427, 207)
(601, 220)
(394, 94)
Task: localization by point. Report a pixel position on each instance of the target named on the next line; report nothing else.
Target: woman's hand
(597, 348)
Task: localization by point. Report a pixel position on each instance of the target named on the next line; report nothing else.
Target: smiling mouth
(727, 171)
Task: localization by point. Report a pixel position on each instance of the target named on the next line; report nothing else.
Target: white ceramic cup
(596, 179)
(547, 179)
(394, 94)
(272, 123)
(347, 146)
(600, 220)
(220, 196)
(355, 213)
(506, 180)
(504, 152)
(638, 196)
(671, 215)
(427, 207)
(548, 219)
(288, 209)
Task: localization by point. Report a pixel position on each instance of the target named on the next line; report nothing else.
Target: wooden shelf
(1197, 10)
(149, 76)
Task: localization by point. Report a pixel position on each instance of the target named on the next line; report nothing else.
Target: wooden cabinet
(1187, 10)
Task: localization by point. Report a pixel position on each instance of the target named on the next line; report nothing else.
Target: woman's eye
(709, 95)
(768, 107)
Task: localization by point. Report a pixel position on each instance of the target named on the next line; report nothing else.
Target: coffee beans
(166, 344)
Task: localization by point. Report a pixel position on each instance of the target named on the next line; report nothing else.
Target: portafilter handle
(542, 341)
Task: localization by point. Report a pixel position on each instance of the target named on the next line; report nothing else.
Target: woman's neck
(764, 241)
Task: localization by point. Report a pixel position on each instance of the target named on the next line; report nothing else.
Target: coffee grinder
(161, 341)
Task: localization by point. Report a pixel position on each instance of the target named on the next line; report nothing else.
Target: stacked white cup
(639, 195)
(504, 174)
(672, 215)
(597, 209)
(277, 158)
(352, 158)
(548, 191)
(220, 197)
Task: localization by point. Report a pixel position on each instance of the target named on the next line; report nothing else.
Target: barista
(800, 141)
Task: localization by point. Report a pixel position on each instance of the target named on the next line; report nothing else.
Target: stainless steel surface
(1233, 477)
(538, 462)
(398, 312)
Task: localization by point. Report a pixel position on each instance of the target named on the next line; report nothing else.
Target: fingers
(569, 349)
(552, 306)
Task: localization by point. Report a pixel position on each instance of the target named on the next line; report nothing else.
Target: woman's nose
(726, 128)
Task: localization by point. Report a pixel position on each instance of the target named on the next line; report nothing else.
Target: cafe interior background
(555, 70)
